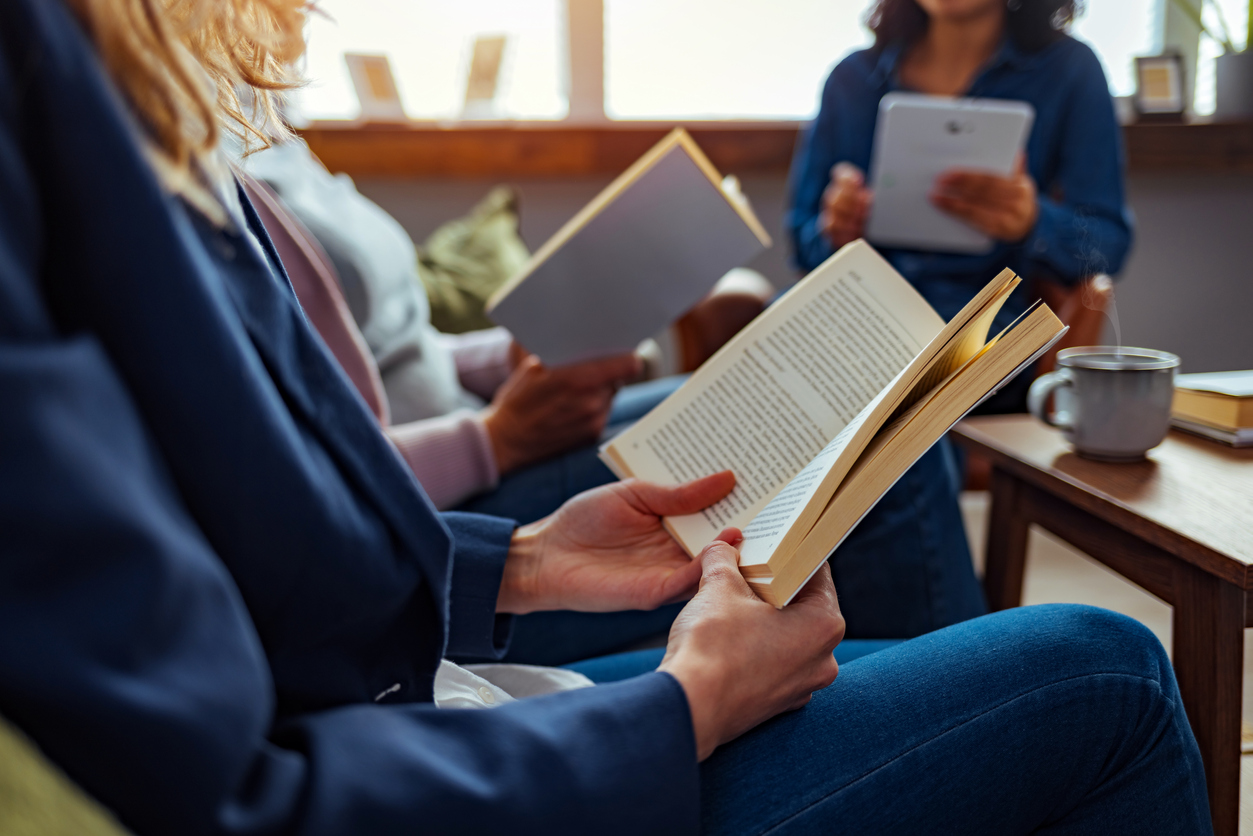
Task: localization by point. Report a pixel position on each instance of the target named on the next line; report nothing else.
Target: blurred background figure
(1060, 216)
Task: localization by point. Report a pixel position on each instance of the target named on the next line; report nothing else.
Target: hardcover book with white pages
(820, 405)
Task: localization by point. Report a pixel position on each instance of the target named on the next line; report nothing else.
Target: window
(760, 59)
(429, 44)
(669, 59)
(1235, 13)
(664, 59)
(1118, 31)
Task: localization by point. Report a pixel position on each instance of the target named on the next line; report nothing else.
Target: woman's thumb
(720, 563)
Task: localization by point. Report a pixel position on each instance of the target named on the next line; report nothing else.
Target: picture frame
(376, 88)
(483, 78)
(1160, 91)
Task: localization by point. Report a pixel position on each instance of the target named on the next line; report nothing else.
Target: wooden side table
(1179, 524)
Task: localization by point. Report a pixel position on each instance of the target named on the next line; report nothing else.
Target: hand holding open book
(820, 405)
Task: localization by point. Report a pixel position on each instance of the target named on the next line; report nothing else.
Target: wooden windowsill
(554, 149)
(1200, 146)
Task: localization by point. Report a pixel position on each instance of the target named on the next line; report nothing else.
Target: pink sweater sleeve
(451, 455)
(482, 359)
(317, 287)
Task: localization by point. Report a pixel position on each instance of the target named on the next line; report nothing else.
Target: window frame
(588, 143)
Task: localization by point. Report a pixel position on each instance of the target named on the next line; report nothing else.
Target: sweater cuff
(451, 456)
(481, 546)
(482, 359)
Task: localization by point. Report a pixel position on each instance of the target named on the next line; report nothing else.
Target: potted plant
(1233, 70)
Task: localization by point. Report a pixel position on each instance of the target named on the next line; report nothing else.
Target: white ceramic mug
(1113, 404)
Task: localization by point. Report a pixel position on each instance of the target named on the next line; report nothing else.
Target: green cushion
(464, 261)
(36, 799)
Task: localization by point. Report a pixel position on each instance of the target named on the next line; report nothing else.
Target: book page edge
(1035, 355)
(706, 165)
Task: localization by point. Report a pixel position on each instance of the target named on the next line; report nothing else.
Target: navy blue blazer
(214, 569)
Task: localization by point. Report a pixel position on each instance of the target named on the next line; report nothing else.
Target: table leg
(1006, 546)
(1208, 660)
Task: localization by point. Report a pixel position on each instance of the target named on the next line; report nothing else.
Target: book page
(797, 509)
(767, 530)
(902, 442)
(777, 394)
(1233, 384)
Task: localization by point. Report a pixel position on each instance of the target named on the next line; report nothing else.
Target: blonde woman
(224, 600)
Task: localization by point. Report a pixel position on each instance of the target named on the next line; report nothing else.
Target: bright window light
(724, 59)
(1118, 31)
(664, 59)
(429, 44)
(1235, 12)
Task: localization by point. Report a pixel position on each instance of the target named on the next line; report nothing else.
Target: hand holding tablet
(1004, 208)
(845, 205)
(947, 174)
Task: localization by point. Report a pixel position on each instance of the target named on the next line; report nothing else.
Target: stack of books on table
(1217, 405)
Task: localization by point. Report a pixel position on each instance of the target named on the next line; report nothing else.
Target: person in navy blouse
(224, 599)
(1061, 216)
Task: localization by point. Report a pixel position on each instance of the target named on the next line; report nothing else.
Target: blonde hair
(181, 64)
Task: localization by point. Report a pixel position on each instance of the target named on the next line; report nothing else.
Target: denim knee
(1086, 639)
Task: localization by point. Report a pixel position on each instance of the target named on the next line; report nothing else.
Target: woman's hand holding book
(740, 660)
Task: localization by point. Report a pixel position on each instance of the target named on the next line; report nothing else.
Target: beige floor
(1058, 573)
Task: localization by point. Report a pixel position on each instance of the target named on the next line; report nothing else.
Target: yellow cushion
(36, 799)
(464, 261)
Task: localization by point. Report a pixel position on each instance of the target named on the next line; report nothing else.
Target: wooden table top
(1192, 497)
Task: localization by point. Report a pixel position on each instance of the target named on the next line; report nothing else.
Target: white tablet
(918, 138)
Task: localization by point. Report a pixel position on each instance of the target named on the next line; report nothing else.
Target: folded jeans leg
(1057, 719)
(626, 665)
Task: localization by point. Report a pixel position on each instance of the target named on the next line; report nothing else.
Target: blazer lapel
(300, 367)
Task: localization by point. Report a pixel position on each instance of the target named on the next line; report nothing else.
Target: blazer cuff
(480, 547)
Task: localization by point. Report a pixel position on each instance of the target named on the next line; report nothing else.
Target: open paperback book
(820, 405)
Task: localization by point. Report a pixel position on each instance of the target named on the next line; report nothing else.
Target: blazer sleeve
(1084, 226)
(480, 546)
(128, 655)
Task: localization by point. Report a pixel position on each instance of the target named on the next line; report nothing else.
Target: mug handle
(1039, 393)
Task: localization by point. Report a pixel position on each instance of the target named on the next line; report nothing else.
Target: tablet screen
(918, 138)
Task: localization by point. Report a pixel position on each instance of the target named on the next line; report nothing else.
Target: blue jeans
(1056, 719)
